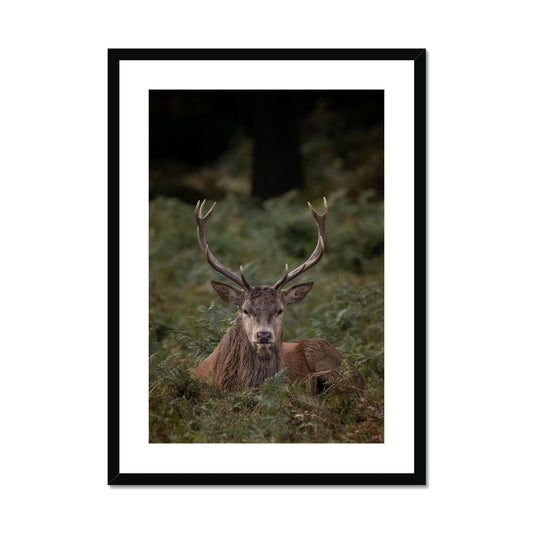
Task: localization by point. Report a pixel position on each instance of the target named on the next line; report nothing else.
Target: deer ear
(228, 293)
(296, 294)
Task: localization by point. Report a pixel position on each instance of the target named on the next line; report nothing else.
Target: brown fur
(235, 363)
(322, 361)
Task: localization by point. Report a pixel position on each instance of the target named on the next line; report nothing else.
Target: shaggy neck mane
(239, 365)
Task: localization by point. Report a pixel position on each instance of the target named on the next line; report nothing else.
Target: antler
(315, 257)
(201, 220)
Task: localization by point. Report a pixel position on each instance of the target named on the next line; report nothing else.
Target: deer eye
(245, 312)
(278, 313)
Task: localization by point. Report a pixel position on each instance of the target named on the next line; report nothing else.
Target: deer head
(261, 308)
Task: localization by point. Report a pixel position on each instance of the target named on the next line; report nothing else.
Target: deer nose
(264, 336)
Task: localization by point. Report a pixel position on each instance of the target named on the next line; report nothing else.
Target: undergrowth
(187, 320)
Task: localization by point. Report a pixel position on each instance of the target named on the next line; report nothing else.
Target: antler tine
(315, 257)
(201, 221)
(244, 280)
(283, 280)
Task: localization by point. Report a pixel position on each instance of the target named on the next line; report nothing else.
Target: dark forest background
(265, 143)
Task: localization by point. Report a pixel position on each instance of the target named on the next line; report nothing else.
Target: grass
(187, 319)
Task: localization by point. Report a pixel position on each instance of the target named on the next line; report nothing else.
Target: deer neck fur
(238, 363)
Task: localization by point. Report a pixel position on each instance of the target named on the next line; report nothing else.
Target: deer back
(318, 362)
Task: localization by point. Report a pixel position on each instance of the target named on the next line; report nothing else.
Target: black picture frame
(418, 477)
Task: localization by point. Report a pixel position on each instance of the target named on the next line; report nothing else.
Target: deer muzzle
(264, 337)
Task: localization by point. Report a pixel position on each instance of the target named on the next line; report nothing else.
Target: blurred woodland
(262, 155)
(265, 143)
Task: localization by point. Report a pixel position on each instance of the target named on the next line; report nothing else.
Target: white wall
(53, 273)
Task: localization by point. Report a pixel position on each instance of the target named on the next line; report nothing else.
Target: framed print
(213, 378)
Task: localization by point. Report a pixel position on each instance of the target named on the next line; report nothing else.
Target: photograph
(231, 361)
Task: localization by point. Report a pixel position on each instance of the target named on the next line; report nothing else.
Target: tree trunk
(277, 163)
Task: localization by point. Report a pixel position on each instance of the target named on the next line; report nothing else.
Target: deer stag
(252, 350)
